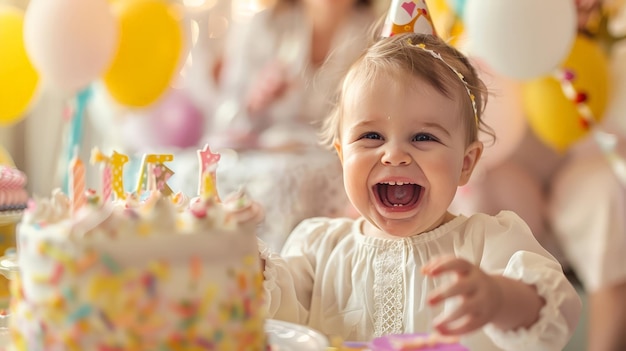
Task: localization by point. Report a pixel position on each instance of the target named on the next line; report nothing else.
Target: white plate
(293, 337)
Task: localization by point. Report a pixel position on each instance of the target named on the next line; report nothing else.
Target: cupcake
(13, 195)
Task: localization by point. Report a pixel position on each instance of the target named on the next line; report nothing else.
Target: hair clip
(461, 77)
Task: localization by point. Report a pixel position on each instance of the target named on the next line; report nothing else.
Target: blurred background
(147, 76)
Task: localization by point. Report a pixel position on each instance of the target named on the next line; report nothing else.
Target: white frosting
(135, 265)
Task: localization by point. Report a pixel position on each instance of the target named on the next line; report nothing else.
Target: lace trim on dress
(389, 289)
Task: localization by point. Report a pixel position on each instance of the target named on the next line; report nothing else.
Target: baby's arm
(281, 288)
(506, 303)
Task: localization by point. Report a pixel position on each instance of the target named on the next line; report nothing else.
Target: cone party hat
(408, 16)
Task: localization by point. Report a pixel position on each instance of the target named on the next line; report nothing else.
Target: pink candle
(107, 181)
(77, 184)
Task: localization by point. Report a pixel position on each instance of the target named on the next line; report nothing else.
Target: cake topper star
(207, 159)
(206, 177)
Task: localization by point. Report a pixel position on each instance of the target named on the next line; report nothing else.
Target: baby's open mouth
(398, 195)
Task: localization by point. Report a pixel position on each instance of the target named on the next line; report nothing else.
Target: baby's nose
(395, 155)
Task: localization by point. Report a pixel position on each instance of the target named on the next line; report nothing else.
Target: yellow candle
(117, 171)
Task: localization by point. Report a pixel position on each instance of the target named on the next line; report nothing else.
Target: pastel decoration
(520, 39)
(146, 179)
(149, 51)
(107, 182)
(408, 16)
(18, 78)
(162, 174)
(77, 184)
(70, 42)
(504, 114)
(107, 173)
(562, 107)
(207, 166)
(117, 172)
(176, 120)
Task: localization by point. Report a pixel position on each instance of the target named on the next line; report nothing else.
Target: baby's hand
(479, 294)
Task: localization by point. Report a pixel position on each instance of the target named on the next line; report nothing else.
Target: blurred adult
(280, 73)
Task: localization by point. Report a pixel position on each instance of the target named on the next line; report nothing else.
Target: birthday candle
(77, 184)
(208, 186)
(106, 182)
(117, 163)
(207, 166)
(161, 175)
(148, 163)
(99, 157)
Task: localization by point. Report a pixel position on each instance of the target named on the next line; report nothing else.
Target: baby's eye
(371, 135)
(424, 137)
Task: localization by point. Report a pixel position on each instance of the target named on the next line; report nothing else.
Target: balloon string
(606, 141)
(76, 131)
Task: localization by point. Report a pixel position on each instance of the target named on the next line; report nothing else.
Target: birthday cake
(141, 272)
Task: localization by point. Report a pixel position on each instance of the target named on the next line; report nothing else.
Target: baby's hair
(410, 55)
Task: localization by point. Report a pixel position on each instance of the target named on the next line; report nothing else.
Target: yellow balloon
(18, 77)
(553, 117)
(151, 41)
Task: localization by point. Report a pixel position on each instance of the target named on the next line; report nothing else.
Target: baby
(406, 131)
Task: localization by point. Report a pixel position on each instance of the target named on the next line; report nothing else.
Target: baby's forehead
(392, 82)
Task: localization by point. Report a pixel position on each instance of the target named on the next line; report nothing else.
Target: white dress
(300, 184)
(336, 280)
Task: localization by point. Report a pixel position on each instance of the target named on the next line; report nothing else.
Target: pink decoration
(106, 183)
(77, 184)
(177, 121)
(107, 173)
(148, 177)
(409, 7)
(161, 175)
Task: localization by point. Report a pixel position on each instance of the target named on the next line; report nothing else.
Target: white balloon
(521, 39)
(70, 42)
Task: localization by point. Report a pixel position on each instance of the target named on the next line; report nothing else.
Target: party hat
(408, 16)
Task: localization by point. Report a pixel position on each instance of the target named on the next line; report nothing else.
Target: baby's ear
(337, 146)
(472, 155)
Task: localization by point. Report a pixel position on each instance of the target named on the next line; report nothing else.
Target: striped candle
(77, 184)
(107, 181)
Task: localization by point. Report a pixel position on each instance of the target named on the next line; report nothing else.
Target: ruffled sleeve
(533, 265)
(290, 277)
